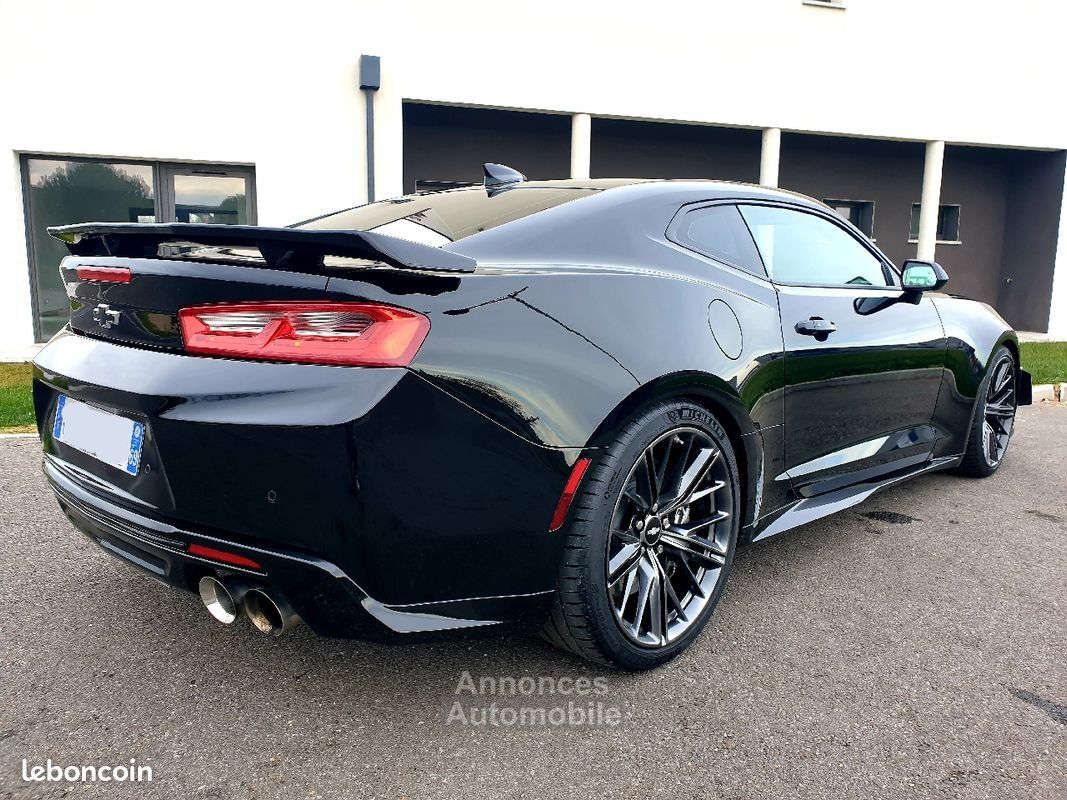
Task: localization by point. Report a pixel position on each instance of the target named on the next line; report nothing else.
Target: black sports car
(555, 406)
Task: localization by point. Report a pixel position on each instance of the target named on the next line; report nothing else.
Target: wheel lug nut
(640, 524)
(659, 548)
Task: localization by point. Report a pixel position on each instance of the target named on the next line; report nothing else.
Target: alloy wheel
(670, 536)
(1000, 407)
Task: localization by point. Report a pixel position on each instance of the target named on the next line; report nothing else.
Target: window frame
(889, 269)
(165, 172)
(671, 234)
(162, 192)
(917, 207)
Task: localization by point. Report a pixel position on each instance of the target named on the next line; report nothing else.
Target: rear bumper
(326, 598)
(369, 490)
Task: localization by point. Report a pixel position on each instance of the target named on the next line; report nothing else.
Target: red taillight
(354, 334)
(222, 556)
(569, 490)
(104, 274)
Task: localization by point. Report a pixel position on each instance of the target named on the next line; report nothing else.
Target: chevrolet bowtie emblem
(104, 316)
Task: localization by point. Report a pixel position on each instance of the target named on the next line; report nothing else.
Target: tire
(696, 540)
(995, 407)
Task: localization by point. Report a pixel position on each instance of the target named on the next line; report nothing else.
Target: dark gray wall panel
(630, 149)
(975, 179)
(1035, 196)
(449, 143)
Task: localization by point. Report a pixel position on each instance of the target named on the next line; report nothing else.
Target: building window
(62, 191)
(859, 212)
(948, 224)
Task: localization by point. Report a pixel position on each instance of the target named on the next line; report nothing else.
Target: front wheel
(994, 418)
(650, 540)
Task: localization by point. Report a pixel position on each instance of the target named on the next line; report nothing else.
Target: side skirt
(812, 508)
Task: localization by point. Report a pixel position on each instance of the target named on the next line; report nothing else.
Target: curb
(1052, 392)
(18, 436)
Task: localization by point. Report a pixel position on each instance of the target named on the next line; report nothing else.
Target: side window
(719, 232)
(804, 248)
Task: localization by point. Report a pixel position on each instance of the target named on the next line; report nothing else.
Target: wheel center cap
(652, 531)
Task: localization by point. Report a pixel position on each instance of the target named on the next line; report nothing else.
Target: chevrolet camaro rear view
(554, 406)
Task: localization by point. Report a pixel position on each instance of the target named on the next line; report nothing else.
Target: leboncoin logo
(86, 773)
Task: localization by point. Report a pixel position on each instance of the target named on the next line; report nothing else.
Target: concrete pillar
(769, 156)
(581, 143)
(931, 199)
(1057, 320)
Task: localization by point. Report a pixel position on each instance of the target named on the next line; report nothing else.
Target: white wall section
(275, 85)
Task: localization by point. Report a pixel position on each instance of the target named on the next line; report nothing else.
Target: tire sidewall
(1002, 354)
(613, 468)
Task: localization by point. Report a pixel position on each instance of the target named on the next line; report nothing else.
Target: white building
(253, 110)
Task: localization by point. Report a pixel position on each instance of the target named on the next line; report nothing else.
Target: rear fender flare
(718, 398)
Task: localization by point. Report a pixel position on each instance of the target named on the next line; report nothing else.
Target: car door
(863, 362)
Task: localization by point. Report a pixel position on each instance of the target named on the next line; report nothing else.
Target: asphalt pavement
(913, 646)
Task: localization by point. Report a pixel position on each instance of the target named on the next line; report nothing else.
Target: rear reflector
(571, 489)
(351, 334)
(222, 556)
(104, 274)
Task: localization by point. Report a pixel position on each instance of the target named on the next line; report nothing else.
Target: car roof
(546, 220)
(712, 188)
(613, 221)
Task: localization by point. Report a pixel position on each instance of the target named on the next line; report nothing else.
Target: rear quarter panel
(560, 354)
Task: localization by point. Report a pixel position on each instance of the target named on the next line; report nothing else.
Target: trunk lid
(143, 311)
(127, 282)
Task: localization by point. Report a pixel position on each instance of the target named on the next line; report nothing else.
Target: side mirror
(923, 276)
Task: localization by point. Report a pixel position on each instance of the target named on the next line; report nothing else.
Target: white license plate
(107, 437)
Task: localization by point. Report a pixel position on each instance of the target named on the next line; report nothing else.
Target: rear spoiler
(296, 249)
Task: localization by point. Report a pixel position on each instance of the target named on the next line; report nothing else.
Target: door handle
(815, 326)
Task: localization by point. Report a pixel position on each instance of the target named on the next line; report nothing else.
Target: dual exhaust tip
(226, 598)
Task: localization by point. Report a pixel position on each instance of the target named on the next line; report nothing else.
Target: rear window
(438, 218)
(719, 232)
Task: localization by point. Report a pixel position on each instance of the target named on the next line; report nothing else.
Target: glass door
(64, 191)
(61, 192)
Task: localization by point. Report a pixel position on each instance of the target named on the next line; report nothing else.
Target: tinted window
(453, 214)
(804, 248)
(719, 231)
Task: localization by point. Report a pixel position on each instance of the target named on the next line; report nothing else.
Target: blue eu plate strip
(57, 427)
(136, 442)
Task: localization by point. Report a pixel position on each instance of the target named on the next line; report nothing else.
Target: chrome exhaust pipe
(269, 613)
(222, 598)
